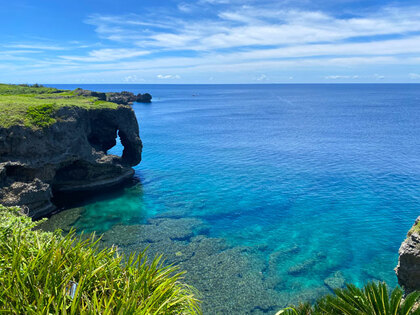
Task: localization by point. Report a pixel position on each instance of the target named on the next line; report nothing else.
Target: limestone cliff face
(68, 156)
(408, 268)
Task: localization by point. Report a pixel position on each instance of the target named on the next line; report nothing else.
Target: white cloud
(168, 76)
(107, 54)
(378, 76)
(262, 77)
(214, 1)
(338, 77)
(414, 76)
(409, 45)
(250, 25)
(34, 46)
(246, 41)
(132, 78)
(185, 7)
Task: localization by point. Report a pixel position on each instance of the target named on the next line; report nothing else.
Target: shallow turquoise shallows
(322, 182)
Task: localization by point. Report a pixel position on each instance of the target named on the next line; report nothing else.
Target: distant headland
(55, 141)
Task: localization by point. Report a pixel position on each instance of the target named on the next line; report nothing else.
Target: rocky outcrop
(408, 268)
(70, 155)
(128, 98)
(124, 97)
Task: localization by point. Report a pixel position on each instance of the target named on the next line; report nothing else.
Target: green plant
(39, 270)
(41, 115)
(414, 229)
(22, 104)
(372, 299)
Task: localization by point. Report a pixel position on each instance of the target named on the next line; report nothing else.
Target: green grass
(414, 229)
(19, 103)
(373, 299)
(41, 115)
(37, 270)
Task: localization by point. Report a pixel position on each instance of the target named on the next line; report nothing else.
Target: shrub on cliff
(46, 273)
(373, 299)
(41, 115)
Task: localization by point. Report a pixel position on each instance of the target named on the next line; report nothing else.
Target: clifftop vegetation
(35, 106)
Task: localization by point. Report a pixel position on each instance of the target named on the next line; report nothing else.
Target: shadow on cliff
(67, 200)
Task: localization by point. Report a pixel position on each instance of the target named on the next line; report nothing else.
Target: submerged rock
(68, 156)
(335, 281)
(157, 230)
(230, 280)
(64, 220)
(309, 295)
(306, 265)
(408, 268)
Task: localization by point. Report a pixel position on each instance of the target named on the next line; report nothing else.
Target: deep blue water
(332, 169)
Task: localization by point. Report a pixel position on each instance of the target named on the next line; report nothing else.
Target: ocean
(266, 194)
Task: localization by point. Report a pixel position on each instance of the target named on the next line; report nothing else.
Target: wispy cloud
(168, 76)
(251, 26)
(338, 77)
(133, 78)
(262, 77)
(260, 41)
(107, 54)
(34, 46)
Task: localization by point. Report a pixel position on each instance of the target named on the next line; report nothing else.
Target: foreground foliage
(373, 299)
(38, 271)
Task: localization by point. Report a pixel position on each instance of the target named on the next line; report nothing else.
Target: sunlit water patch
(267, 194)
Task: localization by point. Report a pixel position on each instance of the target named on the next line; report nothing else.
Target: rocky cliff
(68, 156)
(408, 268)
(123, 97)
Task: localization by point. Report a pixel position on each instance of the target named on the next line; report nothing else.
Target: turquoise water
(305, 180)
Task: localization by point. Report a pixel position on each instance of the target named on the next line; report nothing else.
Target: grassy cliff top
(35, 106)
(415, 228)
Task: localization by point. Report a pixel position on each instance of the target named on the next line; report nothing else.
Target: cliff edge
(408, 268)
(62, 147)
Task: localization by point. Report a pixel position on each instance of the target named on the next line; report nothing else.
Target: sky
(209, 41)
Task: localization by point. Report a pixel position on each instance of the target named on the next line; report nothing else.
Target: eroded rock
(123, 98)
(408, 268)
(70, 155)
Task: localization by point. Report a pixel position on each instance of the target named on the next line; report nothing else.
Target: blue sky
(209, 41)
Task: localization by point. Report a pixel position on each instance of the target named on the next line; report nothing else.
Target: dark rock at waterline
(100, 95)
(68, 156)
(144, 98)
(123, 98)
(128, 98)
(408, 268)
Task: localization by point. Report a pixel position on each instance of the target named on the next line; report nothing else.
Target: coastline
(63, 146)
(155, 212)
